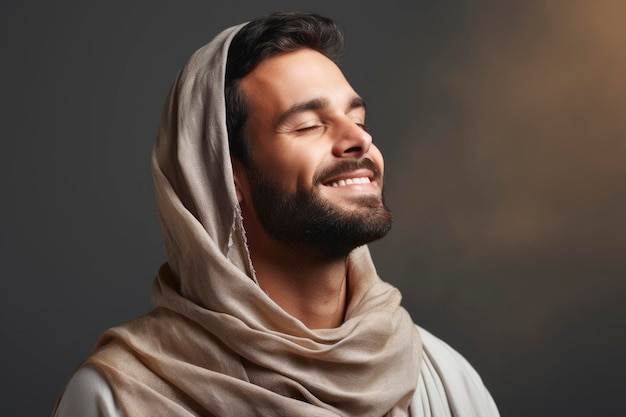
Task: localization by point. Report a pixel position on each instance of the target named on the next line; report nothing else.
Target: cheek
(291, 169)
(299, 163)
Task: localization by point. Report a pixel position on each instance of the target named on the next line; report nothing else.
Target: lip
(359, 173)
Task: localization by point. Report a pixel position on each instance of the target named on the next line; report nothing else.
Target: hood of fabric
(192, 171)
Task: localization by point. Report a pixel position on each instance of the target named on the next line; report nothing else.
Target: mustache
(347, 166)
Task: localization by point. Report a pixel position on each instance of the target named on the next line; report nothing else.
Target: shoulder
(87, 394)
(448, 384)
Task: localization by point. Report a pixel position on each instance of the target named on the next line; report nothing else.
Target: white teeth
(350, 181)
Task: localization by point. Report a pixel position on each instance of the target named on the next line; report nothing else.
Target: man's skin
(303, 118)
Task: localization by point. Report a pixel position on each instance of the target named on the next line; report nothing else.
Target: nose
(352, 140)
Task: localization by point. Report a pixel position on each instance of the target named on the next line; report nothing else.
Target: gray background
(504, 130)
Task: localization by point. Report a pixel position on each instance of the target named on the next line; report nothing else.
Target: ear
(239, 175)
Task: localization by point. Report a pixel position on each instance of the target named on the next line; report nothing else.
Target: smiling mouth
(350, 181)
(360, 174)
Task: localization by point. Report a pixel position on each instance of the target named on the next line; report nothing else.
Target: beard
(306, 220)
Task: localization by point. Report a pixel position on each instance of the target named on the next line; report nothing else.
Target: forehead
(291, 77)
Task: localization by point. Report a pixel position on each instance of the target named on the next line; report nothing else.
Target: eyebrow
(316, 104)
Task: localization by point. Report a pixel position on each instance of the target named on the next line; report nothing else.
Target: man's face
(315, 179)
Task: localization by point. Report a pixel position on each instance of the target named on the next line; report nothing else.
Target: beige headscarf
(217, 344)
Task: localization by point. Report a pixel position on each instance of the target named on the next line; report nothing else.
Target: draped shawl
(216, 344)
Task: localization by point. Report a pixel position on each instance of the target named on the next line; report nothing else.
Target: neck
(308, 286)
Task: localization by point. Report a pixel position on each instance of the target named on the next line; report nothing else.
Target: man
(268, 187)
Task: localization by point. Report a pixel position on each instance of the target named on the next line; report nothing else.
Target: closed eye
(308, 128)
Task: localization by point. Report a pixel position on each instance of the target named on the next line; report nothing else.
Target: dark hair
(260, 39)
